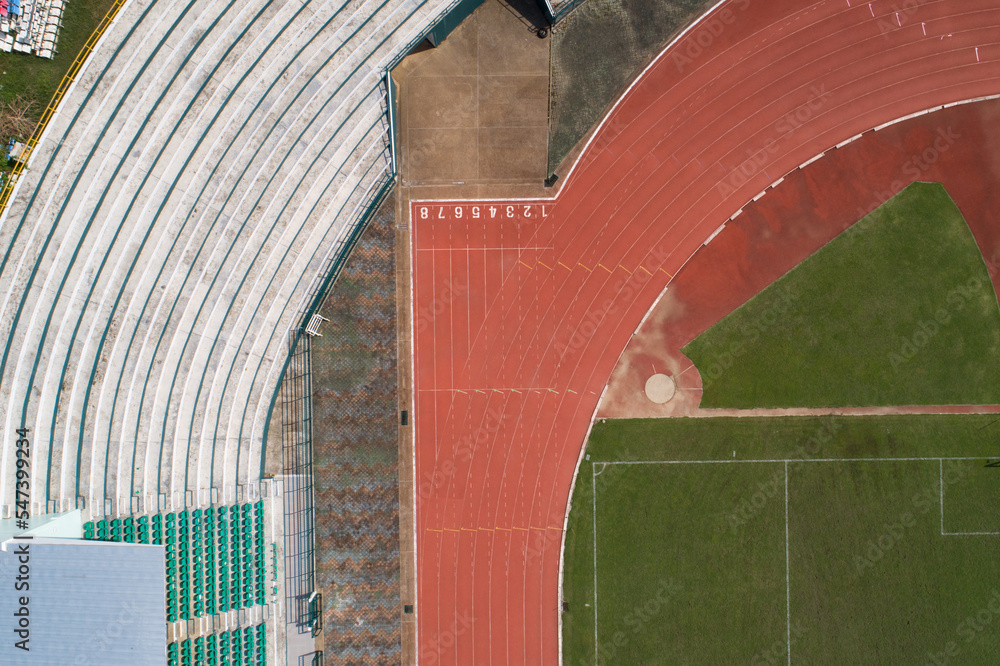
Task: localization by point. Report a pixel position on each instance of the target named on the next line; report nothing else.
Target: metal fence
(297, 461)
(559, 10)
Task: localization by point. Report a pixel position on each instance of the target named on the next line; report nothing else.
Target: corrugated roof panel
(89, 603)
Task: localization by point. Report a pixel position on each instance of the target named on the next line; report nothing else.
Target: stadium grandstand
(192, 197)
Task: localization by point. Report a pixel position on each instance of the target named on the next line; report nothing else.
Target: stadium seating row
(240, 646)
(215, 557)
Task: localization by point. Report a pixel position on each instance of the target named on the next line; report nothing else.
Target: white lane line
(788, 593)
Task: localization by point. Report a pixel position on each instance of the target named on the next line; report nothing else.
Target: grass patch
(897, 310)
(597, 51)
(691, 556)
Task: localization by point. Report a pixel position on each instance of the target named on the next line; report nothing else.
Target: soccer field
(841, 541)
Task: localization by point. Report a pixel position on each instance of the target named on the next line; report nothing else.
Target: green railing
(555, 14)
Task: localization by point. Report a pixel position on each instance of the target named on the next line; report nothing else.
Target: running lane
(521, 309)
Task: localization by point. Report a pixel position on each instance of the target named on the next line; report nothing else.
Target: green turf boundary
(897, 310)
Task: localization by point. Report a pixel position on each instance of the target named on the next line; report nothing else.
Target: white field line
(785, 460)
(593, 515)
(941, 485)
(788, 589)
(943, 533)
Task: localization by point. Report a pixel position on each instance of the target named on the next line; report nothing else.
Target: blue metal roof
(88, 602)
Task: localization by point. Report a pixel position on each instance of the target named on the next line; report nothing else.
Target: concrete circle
(660, 388)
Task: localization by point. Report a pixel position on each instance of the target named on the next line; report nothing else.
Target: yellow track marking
(625, 269)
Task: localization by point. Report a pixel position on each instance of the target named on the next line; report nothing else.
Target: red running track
(521, 316)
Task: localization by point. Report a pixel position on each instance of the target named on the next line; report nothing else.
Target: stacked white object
(31, 26)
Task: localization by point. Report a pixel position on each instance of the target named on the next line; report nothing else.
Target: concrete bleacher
(174, 220)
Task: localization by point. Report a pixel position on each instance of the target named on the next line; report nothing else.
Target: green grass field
(897, 310)
(855, 540)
